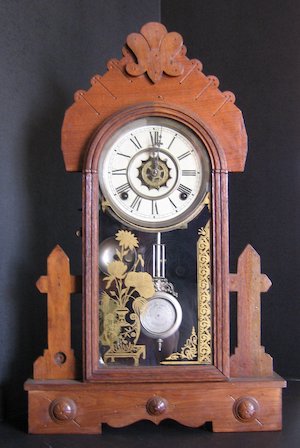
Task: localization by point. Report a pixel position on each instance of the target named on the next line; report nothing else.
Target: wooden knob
(245, 409)
(62, 410)
(156, 406)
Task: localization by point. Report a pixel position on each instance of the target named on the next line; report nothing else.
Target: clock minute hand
(156, 144)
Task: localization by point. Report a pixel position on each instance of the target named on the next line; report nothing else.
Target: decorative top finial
(156, 52)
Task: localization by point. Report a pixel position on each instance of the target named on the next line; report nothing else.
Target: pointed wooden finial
(58, 360)
(249, 358)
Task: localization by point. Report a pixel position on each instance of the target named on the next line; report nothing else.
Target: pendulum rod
(159, 258)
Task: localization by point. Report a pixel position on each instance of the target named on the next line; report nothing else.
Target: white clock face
(154, 173)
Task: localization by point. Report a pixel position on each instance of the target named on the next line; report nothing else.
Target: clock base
(236, 405)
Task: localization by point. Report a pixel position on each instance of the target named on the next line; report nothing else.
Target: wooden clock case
(236, 393)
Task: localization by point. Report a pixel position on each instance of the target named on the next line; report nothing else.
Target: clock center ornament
(154, 139)
(154, 173)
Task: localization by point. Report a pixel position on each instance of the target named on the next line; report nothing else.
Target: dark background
(50, 49)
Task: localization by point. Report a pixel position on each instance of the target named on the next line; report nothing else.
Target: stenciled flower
(142, 282)
(127, 239)
(116, 269)
(138, 304)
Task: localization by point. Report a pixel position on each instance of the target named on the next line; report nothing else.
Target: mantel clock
(154, 139)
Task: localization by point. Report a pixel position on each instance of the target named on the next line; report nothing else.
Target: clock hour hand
(155, 156)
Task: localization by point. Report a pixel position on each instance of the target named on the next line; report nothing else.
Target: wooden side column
(58, 361)
(249, 358)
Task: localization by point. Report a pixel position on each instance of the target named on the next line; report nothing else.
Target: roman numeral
(188, 172)
(155, 139)
(171, 142)
(123, 188)
(184, 189)
(184, 155)
(154, 208)
(135, 141)
(120, 172)
(123, 155)
(136, 203)
(174, 205)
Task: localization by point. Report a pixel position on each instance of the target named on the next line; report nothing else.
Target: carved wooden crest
(155, 70)
(156, 51)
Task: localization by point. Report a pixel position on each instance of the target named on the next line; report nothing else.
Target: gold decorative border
(188, 351)
(198, 350)
(204, 297)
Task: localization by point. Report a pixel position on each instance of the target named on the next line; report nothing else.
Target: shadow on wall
(53, 218)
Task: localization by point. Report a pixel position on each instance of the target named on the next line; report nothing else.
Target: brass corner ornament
(156, 52)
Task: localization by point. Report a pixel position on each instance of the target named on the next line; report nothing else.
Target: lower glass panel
(155, 301)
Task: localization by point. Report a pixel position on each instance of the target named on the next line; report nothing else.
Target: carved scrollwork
(156, 52)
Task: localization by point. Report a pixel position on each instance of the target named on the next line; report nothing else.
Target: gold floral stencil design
(125, 293)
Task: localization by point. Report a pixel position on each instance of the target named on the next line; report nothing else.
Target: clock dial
(154, 173)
